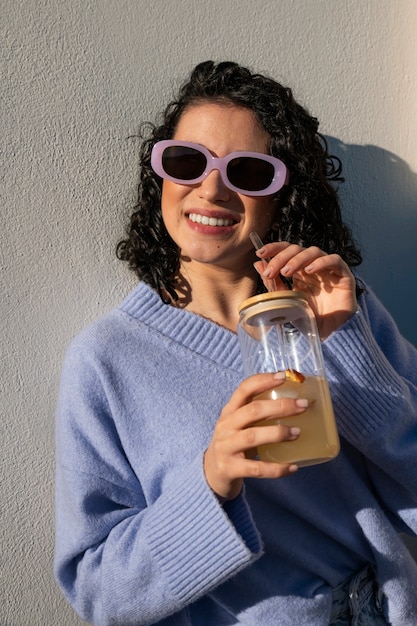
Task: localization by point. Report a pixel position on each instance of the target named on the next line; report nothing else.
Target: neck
(215, 293)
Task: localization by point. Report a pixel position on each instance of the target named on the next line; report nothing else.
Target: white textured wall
(78, 76)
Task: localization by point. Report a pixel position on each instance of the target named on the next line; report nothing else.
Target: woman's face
(224, 242)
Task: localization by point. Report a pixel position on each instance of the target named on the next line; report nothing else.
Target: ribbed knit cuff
(197, 543)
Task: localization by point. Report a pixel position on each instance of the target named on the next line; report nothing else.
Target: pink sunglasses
(249, 173)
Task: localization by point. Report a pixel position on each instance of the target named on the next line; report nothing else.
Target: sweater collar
(193, 331)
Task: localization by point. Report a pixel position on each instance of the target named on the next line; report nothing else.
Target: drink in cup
(278, 332)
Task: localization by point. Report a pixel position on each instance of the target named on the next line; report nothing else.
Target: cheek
(171, 211)
(166, 194)
(168, 201)
(172, 194)
(264, 212)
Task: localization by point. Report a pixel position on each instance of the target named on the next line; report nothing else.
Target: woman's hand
(325, 279)
(236, 433)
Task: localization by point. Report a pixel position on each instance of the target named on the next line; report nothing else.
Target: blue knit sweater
(141, 538)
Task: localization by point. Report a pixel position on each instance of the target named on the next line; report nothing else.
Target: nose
(213, 188)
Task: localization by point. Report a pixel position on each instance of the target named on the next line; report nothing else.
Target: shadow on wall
(379, 200)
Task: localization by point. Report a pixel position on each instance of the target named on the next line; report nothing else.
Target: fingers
(226, 462)
(325, 279)
(246, 440)
(247, 411)
(262, 469)
(287, 259)
(292, 258)
(252, 386)
(274, 284)
(260, 435)
(260, 410)
(242, 411)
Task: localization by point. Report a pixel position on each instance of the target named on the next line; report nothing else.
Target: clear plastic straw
(258, 244)
(279, 328)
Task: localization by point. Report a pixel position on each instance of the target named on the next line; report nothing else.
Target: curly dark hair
(310, 213)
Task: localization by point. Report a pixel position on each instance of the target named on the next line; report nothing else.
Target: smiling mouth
(210, 221)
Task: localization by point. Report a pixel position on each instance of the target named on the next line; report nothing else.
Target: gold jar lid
(265, 307)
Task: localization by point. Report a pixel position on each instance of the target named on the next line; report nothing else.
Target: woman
(162, 515)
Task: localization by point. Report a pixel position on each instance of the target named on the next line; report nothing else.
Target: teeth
(209, 221)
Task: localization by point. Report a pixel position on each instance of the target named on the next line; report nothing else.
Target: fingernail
(267, 273)
(302, 403)
(280, 376)
(260, 251)
(293, 468)
(295, 431)
(285, 269)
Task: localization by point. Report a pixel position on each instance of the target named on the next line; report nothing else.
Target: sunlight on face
(208, 221)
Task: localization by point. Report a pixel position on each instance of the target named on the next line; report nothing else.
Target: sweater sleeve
(118, 558)
(372, 370)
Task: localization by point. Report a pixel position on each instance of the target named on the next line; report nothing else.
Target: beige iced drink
(318, 441)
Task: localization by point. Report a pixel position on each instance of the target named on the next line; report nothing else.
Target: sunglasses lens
(250, 173)
(183, 163)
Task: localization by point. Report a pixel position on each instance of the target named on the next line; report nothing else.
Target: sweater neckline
(197, 333)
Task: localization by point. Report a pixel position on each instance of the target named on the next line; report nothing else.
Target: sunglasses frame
(281, 175)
